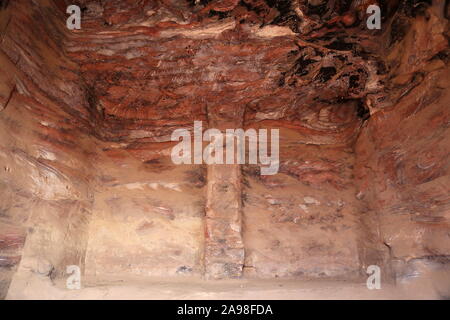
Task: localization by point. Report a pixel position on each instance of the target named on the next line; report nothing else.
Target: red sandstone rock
(86, 118)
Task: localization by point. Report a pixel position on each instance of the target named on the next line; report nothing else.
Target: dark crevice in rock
(4, 4)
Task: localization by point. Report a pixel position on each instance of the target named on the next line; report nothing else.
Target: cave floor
(135, 288)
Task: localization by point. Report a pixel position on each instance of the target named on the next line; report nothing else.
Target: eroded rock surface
(86, 118)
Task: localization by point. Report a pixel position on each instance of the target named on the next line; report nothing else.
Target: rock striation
(86, 118)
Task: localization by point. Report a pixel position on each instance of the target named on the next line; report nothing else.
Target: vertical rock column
(224, 251)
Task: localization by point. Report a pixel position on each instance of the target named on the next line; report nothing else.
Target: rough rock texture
(402, 153)
(224, 248)
(46, 198)
(86, 118)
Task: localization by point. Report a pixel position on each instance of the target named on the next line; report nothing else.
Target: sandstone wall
(146, 82)
(402, 153)
(86, 119)
(44, 179)
(147, 219)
